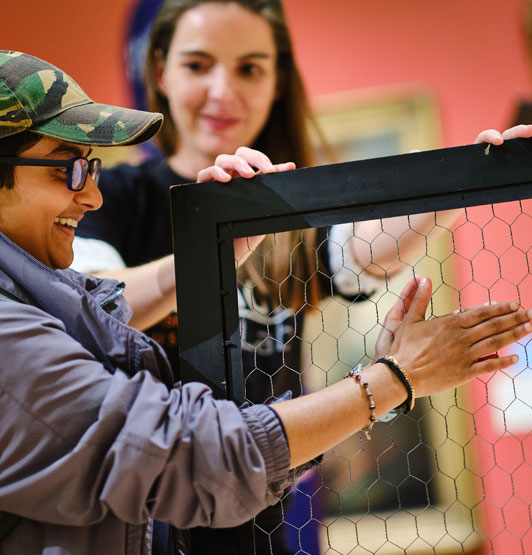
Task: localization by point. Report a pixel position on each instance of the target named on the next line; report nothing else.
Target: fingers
(497, 341)
(227, 166)
(461, 310)
(493, 364)
(412, 303)
(213, 173)
(418, 306)
(487, 357)
(402, 305)
(246, 162)
(235, 164)
(261, 162)
(504, 323)
(472, 317)
(255, 158)
(286, 166)
(518, 131)
(408, 294)
(491, 136)
(395, 316)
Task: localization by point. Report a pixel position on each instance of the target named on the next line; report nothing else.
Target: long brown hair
(285, 258)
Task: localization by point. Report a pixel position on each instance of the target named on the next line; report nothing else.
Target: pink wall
(471, 54)
(82, 38)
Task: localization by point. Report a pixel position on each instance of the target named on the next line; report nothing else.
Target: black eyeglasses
(77, 168)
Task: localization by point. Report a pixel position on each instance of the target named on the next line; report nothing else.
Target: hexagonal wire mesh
(431, 481)
(452, 476)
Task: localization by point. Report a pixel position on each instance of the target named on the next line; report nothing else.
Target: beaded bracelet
(358, 377)
(399, 371)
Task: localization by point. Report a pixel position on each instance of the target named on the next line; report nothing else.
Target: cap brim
(101, 125)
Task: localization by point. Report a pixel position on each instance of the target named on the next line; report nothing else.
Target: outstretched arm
(436, 354)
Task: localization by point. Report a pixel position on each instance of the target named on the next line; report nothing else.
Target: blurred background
(471, 58)
(386, 77)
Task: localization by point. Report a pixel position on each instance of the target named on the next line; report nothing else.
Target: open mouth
(67, 222)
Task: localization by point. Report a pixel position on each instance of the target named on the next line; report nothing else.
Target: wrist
(395, 367)
(387, 388)
(165, 277)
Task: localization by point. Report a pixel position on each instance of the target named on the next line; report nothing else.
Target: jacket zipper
(118, 292)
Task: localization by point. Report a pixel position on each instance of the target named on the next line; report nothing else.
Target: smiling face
(40, 213)
(220, 80)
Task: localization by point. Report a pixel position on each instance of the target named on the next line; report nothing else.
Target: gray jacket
(94, 439)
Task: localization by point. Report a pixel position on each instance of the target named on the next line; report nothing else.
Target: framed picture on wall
(379, 122)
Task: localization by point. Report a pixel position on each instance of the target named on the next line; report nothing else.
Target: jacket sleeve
(77, 441)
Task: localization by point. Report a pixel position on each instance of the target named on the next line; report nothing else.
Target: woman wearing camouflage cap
(95, 442)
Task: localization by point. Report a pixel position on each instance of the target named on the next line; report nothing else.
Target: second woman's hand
(245, 162)
(494, 137)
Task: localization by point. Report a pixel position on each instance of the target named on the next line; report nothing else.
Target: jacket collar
(92, 310)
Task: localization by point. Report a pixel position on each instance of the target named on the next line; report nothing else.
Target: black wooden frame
(208, 216)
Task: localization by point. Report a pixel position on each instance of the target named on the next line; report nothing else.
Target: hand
(241, 164)
(396, 315)
(495, 138)
(443, 353)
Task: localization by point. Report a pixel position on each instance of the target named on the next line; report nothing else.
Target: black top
(135, 217)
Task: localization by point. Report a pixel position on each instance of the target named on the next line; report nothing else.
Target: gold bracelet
(400, 372)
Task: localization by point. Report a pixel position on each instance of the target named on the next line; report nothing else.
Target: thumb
(402, 305)
(409, 292)
(419, 305)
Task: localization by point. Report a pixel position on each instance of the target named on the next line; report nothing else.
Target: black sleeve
(135, 217)
(115, 219)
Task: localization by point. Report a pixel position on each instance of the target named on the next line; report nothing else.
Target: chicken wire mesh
(452, 476)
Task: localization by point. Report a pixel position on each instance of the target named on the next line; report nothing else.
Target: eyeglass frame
(92, 164)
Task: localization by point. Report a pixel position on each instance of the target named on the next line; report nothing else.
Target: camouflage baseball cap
(37, 96)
